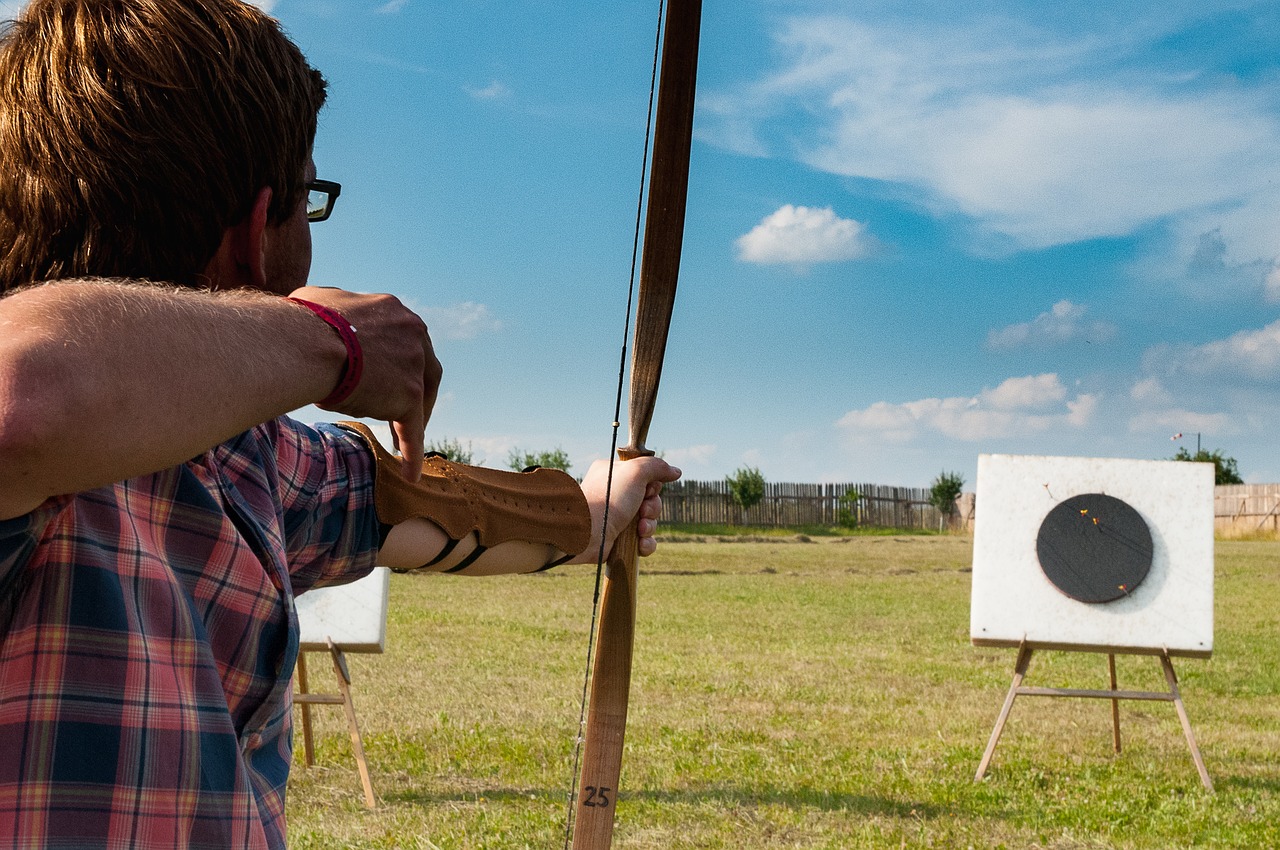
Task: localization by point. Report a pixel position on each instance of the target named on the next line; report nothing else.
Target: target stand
(336, 620)
(1094, 555)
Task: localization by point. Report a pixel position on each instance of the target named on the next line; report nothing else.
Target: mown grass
(687, 532)
(793, 695)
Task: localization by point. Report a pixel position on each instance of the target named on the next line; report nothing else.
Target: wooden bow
(659, 269)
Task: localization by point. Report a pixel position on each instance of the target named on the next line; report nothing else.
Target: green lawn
(792, 695)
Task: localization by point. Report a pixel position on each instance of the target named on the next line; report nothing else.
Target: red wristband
(354, 367)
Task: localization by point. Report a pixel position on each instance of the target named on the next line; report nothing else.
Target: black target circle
(1094, 548)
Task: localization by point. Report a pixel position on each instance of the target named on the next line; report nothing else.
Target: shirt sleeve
(19, 537)
(326, 492)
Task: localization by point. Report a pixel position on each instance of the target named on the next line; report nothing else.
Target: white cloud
(1041, 140)
(1178, 420)
(1212, 268)
(1271, 285)
(264, 5)
(698, 455)
(1033, 392)
(1231, 249)
(494, 91)
(1081, 410)
(392, 6)
(1061, 324)
(805, 235)
(1017, 407)
(466, 320)
(1151, 391)
(1253, 354)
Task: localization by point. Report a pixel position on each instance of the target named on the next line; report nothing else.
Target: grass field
(793, 694)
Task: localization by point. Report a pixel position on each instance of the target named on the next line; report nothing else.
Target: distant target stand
(1098, 555)
(337, 620)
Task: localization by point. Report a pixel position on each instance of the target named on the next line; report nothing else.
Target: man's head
(134, 133)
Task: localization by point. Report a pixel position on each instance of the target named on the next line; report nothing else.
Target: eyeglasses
(321, 196)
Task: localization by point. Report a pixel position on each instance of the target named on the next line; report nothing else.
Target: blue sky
(917, 231)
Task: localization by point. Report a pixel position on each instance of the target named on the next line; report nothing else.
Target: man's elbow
(28, 421)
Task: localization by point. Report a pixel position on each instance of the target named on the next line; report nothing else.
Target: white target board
(1097, 554)
(353, 616)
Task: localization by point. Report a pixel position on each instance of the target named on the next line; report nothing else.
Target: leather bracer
(540, 506)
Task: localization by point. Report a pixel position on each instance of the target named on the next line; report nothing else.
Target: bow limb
(659, 270)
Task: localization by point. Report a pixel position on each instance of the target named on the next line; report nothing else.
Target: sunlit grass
(685, 531)
(793, 695)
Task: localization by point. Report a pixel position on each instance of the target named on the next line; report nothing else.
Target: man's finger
(409, 436)
(432, 374)
(428, 403)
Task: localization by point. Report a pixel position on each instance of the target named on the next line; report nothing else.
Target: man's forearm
(101, 381)
(634, 494)
(419, 543)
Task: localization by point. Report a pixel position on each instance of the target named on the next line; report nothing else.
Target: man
(158, 512)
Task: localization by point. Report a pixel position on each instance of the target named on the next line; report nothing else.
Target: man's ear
(240, 261)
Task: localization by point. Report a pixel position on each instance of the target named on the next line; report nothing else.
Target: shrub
(946, 488)
(557, 459)
(746, 487)
(848, 516)
(452, 450)
(1224, 468)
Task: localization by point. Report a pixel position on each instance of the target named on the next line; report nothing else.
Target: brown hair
(134, 132)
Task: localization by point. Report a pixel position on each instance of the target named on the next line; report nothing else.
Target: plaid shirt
(148, 639)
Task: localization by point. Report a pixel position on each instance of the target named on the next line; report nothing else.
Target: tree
(1224, 468)
(946, 488)
(746, 488)
(848, 516)
(556, 459)
(452, 450)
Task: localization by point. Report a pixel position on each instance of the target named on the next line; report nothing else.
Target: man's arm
(101, 381)
(636, 489)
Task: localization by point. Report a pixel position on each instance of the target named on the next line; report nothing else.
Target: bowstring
(617, 425)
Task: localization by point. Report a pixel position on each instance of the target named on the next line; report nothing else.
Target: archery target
(353, 616)
(1093, 553)
(1094, 548)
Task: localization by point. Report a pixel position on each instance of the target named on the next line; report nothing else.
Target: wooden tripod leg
(1172, 679)
(1115, 704)
(308, 745)
(357, 744)
(1019, 672)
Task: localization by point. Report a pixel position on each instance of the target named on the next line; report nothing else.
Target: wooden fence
(1238, 509)
(1246, 509)
(794, 505)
